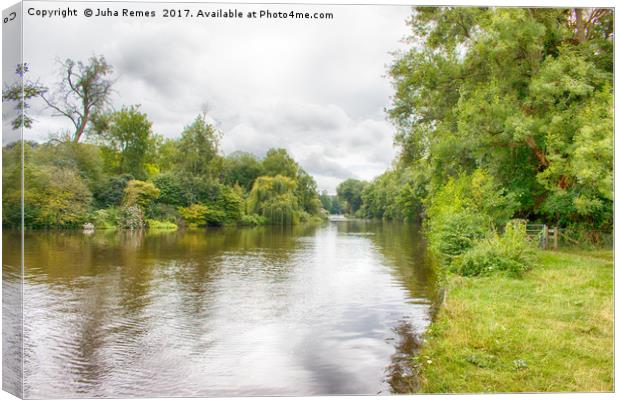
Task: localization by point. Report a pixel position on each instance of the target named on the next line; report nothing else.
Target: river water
(308, 310)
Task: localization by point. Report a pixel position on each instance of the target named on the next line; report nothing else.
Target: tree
(274, 198)
(22, 92)
(198, 149)
(279, 162)
(523, 94)
(171, 189)
(350, 191)
(126, 134)
(306, 193)
(242, 168)
(326, 201)
(110, 193)
(83, 91)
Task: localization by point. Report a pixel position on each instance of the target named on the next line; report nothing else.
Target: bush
(131, 217)
(140, 193)
(510, 252)
(195, 214)
(457, 235)
(111, 193)
(227, 207)
(163, 212)
(252, 220)
(61, 196)
(171, 190)
(106, 218)
(465, 210)
(161, 225)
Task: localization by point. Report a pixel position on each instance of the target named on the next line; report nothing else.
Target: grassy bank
(551, 330)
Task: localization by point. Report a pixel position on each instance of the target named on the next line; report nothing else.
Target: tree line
(522, 97)
(112, 170)
(501, 114)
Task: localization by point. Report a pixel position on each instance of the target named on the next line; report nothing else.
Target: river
(308, 310)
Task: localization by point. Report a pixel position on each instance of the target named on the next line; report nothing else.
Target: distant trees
(350, 192)
(125, 176)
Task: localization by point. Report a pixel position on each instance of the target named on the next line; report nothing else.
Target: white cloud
(316, 88)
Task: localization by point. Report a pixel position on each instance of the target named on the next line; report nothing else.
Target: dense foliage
(500, 113)
(124, 175)
(524, 94)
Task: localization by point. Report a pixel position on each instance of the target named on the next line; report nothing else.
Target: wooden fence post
(555, 237)
(545, 236)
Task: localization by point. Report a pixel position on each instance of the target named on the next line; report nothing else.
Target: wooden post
(545, 236)
(555, 237)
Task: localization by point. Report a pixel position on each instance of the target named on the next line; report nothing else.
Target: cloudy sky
(315, 87)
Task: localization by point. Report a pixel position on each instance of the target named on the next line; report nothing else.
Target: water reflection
(261, 311)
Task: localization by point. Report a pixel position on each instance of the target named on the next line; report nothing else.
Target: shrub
(161, 225)
(510, 252)
(227, 207)
(195, 214)
(457, 235)
(63, 197)
(140, 193)
(111, 193)
(163, 212)
(106, 218)
(464, 210)
(252, 220)
(171, 190)
(131, 217)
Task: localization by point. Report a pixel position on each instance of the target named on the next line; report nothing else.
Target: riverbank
(550, 331)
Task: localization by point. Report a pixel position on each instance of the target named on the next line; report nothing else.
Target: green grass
(549, 331)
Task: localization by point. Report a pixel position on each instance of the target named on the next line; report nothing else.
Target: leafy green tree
(306, 193)
(198, 149)
(279, 162)
(126, 134)
(274, 198)
(171, 189)
(326, 201)
(242, 168)
(110, 193)
(350, 192)
(522, 93)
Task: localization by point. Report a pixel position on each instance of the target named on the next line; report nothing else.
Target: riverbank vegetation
(550, 331)
(504, 117)
(518, 98)
(115, 172)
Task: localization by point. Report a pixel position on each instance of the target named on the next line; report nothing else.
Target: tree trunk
(580, 24)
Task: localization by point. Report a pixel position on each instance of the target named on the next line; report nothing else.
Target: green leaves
(522, 94)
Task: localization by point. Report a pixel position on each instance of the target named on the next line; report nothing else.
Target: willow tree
(274, 198)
